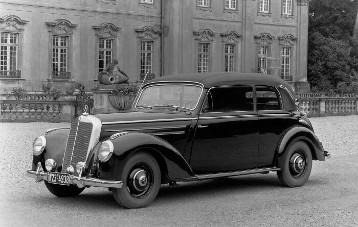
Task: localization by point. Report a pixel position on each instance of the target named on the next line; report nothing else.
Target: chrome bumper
(79, 181)
(327, 155)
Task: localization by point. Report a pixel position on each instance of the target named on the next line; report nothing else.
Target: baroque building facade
(44, 40)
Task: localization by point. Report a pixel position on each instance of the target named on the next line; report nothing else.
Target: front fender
(175, 164)
(56, 141)
(305, 134)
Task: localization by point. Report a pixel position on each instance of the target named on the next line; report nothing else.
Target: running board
(230, 174)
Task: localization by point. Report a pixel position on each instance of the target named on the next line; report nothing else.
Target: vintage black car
(182, 128)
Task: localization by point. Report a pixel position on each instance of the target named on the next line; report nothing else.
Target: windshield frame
(199, 85)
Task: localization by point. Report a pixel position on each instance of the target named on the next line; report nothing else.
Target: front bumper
(81, 182)
(327, 155)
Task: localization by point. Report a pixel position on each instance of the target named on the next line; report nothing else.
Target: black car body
(182, 128)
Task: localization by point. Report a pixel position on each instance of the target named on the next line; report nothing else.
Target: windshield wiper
(177, 108)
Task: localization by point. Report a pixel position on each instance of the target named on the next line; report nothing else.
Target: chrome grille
(77, 144)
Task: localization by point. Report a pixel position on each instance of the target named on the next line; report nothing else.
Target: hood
(134, 116)
(146, 122)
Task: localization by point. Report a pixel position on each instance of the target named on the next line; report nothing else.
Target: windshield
(178, 96)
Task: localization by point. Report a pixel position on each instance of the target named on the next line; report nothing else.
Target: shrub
(19, 92)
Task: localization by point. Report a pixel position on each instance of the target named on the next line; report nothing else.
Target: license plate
(59, 178)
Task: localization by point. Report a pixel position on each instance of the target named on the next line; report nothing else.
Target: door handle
(202, 126)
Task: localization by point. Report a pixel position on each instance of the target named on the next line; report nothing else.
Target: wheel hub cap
(138, 182)
(297, 164)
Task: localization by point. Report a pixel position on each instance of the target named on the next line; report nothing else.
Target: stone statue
(112, 74)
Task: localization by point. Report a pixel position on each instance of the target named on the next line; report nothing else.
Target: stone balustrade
(36, 110)
(328, 106)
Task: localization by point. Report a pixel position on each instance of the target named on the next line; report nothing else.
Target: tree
(332, 50)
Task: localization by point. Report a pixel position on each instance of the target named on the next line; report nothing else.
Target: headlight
(39, 145)
(105, 151)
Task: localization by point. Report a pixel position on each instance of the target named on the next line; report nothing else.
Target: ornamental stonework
(264, 38)
(148, 33)
(12, 23)
(106, 30)
(287, 40)
(230, 37)
(61, 26)
(204, 35)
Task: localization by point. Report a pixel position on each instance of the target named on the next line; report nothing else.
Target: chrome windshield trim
(148, 121)
(161, 83)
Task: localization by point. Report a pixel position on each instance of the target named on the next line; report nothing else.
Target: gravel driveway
(329, 198)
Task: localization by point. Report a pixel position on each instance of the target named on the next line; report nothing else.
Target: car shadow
(100, 198)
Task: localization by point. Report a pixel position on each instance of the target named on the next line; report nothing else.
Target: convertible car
(181, 128)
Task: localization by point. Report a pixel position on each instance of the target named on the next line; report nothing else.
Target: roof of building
(223, 78)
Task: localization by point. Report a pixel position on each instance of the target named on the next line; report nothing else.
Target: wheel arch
(301, 133)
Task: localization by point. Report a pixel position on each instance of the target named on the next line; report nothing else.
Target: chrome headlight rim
(105, 151)
(38, 146)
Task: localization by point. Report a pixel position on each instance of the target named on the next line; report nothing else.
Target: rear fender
(305, 134)
(176, 165)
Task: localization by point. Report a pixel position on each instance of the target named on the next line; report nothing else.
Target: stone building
(56, 40)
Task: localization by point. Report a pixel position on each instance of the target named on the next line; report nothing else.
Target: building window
(146, 57)
(286, 63)
(9, 54)
(105, 47)
(61, 32)
(60, 50)
(204, 3)
(11, 36)
(262, 59)
(287, 7)
(231, 4)
(203, 57)
(230, 57)
(148, 52)
(264, 6)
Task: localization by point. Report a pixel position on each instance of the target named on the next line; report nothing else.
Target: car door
(226, 136)
(273, 121)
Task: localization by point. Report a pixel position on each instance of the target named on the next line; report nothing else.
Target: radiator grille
(77, 144)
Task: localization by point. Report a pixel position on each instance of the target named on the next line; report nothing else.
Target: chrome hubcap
(297, 164)
(139, 182)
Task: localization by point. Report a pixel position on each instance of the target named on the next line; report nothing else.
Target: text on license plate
(59, 178)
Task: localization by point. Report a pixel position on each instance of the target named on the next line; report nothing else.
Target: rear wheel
(141, 181)
(295, 164)
(63, 190)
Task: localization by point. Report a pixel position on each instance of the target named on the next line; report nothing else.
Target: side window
(228, 99)
(267, 98)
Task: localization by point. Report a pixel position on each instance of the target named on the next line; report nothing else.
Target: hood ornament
(85, 110)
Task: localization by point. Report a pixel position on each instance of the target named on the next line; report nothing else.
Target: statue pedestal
(101, 102)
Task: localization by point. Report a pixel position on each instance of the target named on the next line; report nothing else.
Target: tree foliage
(332, 48)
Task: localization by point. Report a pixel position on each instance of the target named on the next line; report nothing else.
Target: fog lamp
(80, 167)
(50, 165)
(39, 145)
(70, 169)
(105, 151)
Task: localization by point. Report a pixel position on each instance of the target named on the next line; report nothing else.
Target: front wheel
(141, 181)
(63, 190)
(295, 164)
